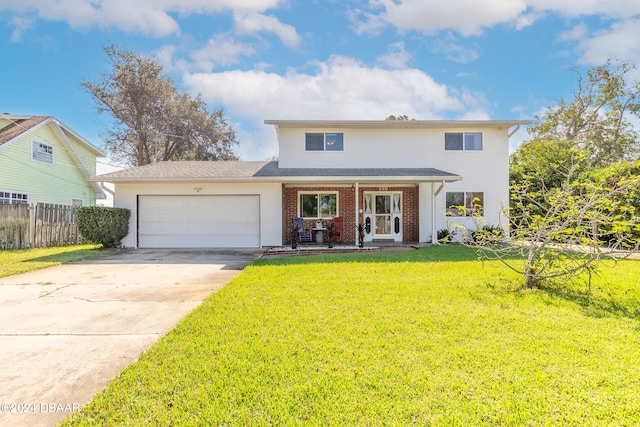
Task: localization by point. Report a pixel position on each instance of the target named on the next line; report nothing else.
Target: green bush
(102, 225)
(488, 234)
(444, 236)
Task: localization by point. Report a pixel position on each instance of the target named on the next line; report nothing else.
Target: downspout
(434, 194)
(514, 131)
(108, 190)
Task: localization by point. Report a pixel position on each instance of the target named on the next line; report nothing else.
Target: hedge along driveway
(104, 225)
(66, 331)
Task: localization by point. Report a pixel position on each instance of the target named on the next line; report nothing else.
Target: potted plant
(295, 236)
(361, 228)
(330, 234)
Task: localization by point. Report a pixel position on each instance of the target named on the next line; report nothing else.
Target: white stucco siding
(270, 195)
(485, 170)
(390, 148)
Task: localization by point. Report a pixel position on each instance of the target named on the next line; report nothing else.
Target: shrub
(444, 236)
(102, 225)
(487, 234)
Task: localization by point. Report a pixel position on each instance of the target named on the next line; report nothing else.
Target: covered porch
(391, 205)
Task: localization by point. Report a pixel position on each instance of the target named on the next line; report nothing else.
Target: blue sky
(348, 59)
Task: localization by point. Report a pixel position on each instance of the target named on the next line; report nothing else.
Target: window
(330, 141)
(13, 198)
(467, 141)
(472, 201)
(41, 152)
(77, 203)
(318, 205)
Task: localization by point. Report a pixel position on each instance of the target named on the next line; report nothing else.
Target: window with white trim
(317, 205)
(329, 141)
(13, 198)
(461, 203)
(77, 203)
(463, 141)
(41, 152)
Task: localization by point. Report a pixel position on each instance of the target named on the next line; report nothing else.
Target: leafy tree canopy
(152, 120)
(598, 118)
(403, 117)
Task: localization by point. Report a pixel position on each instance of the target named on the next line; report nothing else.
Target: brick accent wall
(346, 209)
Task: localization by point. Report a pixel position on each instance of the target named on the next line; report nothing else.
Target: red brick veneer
(346, 209)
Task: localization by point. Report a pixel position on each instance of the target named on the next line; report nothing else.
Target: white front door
(383, 215)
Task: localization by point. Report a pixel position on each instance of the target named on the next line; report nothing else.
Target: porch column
(434, 194)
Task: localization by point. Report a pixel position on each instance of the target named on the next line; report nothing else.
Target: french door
(383, 215)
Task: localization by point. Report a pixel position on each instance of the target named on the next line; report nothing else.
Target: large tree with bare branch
(152, 120)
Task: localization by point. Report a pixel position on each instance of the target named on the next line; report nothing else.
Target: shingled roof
(19, 126)
(228, 171)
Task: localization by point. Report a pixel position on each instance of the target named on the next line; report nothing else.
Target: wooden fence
(24, 226)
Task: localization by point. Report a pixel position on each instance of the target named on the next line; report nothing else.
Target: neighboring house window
(467, 141)
(41, 152)
(76, 203)
(318, 205)
(330, 141)
(472, 201)
(13, 198)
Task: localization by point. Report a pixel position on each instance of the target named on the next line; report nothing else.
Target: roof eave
(281, 179)
(377, 124)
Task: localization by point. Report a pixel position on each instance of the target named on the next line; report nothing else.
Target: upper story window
(467, 141)
(13, 198)
(330, 141)
(41, 152)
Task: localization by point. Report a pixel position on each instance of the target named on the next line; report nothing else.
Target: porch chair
(304, 235)
(338, 229)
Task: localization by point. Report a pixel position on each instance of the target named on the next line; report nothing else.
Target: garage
(199, 221)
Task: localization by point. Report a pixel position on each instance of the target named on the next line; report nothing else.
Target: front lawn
(24, 260)
(431, 337)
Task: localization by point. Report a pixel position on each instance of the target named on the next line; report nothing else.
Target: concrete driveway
(66, 331)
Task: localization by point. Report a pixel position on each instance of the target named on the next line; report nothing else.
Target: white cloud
(148, 17)
(341, 88)
(455, 52)
(467, 17)
(577, 8)
(397, 57)
(621, 41)
(578, 32)
(471, 17)
(20, 24)
(222, 50)
(251, 23)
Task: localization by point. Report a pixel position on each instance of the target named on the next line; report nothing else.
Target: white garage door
(199, 221)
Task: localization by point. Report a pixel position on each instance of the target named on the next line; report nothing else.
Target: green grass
(431, 337)
(24, 260)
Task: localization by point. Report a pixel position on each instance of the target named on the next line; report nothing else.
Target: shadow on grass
(64, 257)
(593, 304)
(441, 253)
(576, 291)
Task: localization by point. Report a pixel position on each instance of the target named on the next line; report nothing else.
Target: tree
(597, 118)
(561, 231)
(402, 117)
(152, 120)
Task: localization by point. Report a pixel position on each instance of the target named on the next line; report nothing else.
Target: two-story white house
(399, 178)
